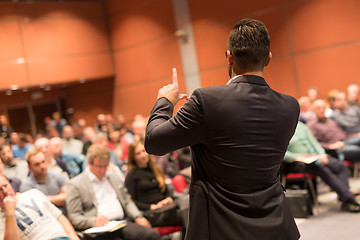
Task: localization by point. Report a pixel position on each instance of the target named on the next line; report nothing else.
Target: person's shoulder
(78, 179)
(31, 193)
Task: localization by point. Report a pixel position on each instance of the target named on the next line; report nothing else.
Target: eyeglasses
(100, 166)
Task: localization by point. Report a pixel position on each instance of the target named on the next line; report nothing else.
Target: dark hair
(249, 43)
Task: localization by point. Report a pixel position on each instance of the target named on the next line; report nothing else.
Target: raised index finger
(174, 77)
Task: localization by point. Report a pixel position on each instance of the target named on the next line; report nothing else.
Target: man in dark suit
(238, 135)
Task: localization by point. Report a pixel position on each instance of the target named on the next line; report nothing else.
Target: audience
(30, 216)
(332, 171)
(53, 185)
(334, 124)
(13, 168)
(97, 196)
(332, 137)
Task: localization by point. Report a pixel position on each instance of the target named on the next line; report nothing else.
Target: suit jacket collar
(248, 79)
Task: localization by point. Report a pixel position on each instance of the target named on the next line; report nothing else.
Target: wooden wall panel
(54, 37)
(329, 69)
(71, 68)
(205, 13)
(54, 41)
(149, 22)
(323, 23)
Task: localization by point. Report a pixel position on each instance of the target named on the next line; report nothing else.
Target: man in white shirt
(97, 196)
(30, 215)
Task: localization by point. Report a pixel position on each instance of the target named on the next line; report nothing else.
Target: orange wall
(314, 43)
(55, 42)
(145, 50)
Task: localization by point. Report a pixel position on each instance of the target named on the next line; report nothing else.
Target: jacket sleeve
(77, 216)
(165, 133)
(132, 211)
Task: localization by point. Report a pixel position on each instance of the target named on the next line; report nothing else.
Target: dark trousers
(131, 231)
(335, 175)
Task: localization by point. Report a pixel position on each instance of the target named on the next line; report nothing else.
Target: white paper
(109, 227)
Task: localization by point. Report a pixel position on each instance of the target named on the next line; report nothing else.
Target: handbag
(164, 216)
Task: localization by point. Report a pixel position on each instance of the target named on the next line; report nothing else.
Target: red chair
(179, 182)
(355, 166)
(306, 178)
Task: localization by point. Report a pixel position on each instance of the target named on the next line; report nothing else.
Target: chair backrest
(179, 183)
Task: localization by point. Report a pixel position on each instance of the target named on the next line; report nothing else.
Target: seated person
(331, 170)
(15, 182)
(146, 185)
(331, 136)
(13, 168)
(30, 216)
(73, 162)
(54, 166)
(347, 117)
(53, 185)
(97, 196)
(22, 147)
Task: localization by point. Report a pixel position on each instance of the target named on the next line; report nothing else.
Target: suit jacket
(82, 205)
(238, 134)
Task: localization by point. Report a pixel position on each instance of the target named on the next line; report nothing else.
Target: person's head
(23, 140)
(36, 163)
(331, 97)
(3, 120)
(14, 138)
(138, 157)
(340, 102)
(67, 132)
(56, 116)
(52, 132)
(89, 134)
(319, 108)
(98, 159)
(101, 119)
(139, 127)
(313, 93)
(353, 92)
(6, 154)
(56, 146)
(305, 104)
(248, 47)
(42, 144)
(114, 136)
(102, 139)
(5, 190)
